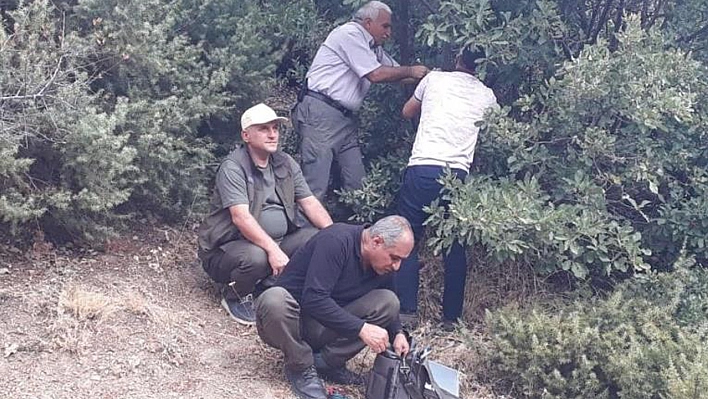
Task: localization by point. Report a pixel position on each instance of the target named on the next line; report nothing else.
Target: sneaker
(409, 321)
(240, 310)
(306, 384)
(336, 375)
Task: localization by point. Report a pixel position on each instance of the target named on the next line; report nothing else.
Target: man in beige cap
(251, 231)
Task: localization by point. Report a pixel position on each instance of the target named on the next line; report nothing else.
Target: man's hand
(277, 260)
(374, 337)
(418, 71)
(400, 345)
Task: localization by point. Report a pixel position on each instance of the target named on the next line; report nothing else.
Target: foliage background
(594, 170)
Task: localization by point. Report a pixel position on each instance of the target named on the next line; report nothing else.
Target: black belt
(329, 101)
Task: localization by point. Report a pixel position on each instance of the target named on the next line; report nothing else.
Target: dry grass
(138, 304)
(86, 305)
(81, 311)
(487, 288)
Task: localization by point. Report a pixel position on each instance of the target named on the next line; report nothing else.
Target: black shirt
(327, 273)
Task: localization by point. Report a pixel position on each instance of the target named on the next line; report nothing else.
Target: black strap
(410, 382)
(329, 101)
(388, 390)
(411, 389)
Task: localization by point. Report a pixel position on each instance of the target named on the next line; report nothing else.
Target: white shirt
(452, 103)
(346, 56)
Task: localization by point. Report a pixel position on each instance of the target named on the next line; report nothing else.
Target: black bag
(393, 377)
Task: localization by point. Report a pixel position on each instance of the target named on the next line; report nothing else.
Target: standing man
(349, 60)
(251, 230)
(450, 105)
(334, 299)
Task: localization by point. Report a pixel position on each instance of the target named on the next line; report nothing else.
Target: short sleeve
(352, 47)
(420, 89)
(492, 101)
(302, 190)
(231, 184)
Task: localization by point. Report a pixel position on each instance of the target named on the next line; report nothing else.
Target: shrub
(66, 164)
(596, 170)
(105, 105)
(643, 341)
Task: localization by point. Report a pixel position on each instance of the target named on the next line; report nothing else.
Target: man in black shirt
(333, 299)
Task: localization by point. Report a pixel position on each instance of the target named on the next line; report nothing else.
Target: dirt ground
(138, 320)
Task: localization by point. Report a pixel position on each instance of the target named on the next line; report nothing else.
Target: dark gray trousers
(327, 135)
(244, 264)
(281, 326)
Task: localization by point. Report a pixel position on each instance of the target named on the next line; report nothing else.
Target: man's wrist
(271, 247)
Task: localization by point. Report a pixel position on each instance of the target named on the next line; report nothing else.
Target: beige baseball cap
(258, 114)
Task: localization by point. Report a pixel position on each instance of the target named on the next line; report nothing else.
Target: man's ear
(367, 23)
(244, 136)
(378, 240)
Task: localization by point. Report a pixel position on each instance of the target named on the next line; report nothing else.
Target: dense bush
(63, 160)
(114, 108)
(593, 172)
(643, 341)
(596, 164)
(108, 109)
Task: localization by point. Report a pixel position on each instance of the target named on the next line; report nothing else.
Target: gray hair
(391, 228)
(370, 10)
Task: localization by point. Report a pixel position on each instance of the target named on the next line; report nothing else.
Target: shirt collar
(357, 242)
(367, 35)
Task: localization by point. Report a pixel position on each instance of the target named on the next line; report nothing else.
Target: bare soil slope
(139, 320)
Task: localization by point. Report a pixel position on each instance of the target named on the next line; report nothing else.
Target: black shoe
(240, 310)
(449, 325)
(409, 321)
(306, 384)
(336, 375)
(341, 375)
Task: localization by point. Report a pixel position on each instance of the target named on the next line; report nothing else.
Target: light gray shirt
(342, 62)
(452, 105)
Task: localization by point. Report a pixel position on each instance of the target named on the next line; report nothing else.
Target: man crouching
(334, 298)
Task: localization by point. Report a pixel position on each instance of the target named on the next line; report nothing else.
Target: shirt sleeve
(326, 264)
(352, 48)
(302, 190)
(231, 185)
(493, 104)
(419, 92)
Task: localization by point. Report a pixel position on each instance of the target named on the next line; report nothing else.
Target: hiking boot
(409, 321)
(336, 375)
(240, 310)
(306, 384)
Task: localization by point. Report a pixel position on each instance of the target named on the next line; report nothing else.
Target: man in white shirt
(450, 105)
(345, 66)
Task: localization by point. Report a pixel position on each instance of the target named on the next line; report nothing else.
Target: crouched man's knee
(387, 304)
(273, 304)
(275, 311)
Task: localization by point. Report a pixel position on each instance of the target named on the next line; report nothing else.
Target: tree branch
(694, 35)
(41, 91)
(601, 21)
(428, 6)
